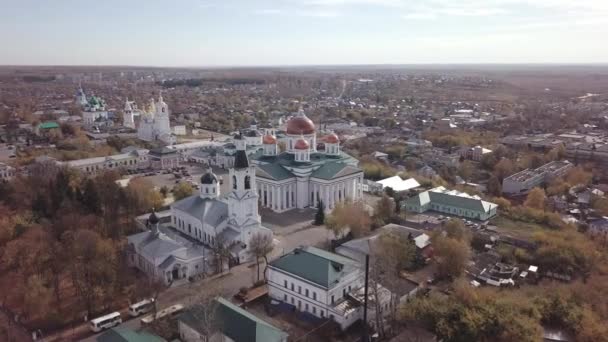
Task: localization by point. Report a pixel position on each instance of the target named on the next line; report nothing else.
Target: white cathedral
(308, 171)
(200, 223)
(154, 122)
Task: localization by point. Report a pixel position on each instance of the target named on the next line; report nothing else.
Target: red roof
(300, 125)
(302, 144)
(332, 139)
(269, 139)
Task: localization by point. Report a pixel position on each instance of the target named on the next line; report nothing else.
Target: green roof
(48, 125)
(274, 171)
(127, 335)
(452, 198)
(333, 170)
(238, 324)
(316, 265)
(327, 166)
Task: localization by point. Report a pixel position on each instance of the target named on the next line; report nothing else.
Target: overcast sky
(301, 32)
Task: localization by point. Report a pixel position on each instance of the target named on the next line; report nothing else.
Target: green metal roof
(241, 325)
(237, 323)
(315, 265)
(49, 125)
(333, 170)
(452, 198)
(128, 335)
(274, 171)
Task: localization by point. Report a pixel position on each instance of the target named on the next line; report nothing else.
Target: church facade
(200, 226)
(307, 172)
(154, 123)
(228, 219)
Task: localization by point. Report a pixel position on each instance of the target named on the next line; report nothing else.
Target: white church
(308, 171)
(207, 219)
(154, 122)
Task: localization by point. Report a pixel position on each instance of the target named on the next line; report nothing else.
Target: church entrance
(175, 274)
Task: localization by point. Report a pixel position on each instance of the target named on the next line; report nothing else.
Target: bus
(105, 322)
(172, 311)
(142, 307)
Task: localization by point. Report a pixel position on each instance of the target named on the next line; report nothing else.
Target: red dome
(302, 144)
(269, 139)
(300, 125)
(332, 139)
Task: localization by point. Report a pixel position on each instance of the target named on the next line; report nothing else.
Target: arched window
(234, 182)
(247, 182)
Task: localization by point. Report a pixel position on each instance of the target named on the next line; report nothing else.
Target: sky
(213, 33)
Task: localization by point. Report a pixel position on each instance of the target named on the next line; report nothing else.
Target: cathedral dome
(209, 178)
(302, 144)
(300, 124)
(332, 139)
(269, 139)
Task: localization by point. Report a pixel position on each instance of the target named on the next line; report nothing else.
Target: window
(292, 287)
(291, 300)
(314, 310)
(189, 228)
(314, 295)
(285, 283)
(299, 304)
(332, 299)
(344, 292)
(322, 313)
(234, 182)
(306, 307)
(284, 297)
(306, 292)
(247, 182)
(300, 289)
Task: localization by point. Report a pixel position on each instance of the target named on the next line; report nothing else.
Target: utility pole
(365, 332)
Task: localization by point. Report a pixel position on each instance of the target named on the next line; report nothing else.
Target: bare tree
(260, 246)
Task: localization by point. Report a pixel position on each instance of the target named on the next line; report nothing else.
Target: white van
(105, 322)
(141, 307)
(172, 311)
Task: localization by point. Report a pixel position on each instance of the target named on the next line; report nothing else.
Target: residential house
(357, 249)
(317, 282)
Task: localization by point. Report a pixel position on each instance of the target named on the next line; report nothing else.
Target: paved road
(228, 285)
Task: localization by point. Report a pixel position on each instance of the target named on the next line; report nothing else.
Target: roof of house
(48, 125)
(454, 198)
(398, 184)
(362, 245)
(236, 323)
(316, 265)
(127, 335)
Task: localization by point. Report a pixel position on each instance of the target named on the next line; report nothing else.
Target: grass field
(517, 229)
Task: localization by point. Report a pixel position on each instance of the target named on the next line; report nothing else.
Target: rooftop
(316, 265)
